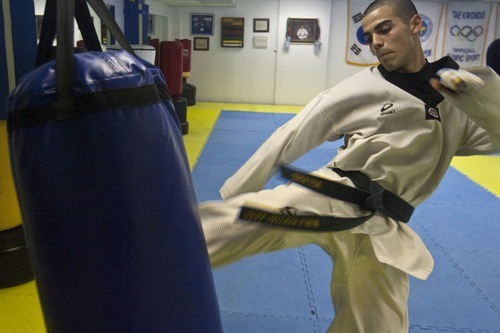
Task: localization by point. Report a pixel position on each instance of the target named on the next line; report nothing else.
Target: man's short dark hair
(493, 56)
(404, 9)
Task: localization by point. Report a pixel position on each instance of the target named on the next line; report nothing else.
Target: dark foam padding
(108, 204)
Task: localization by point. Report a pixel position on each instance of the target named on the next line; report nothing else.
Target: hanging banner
(466, 29)
(431, 13)
(357, 50)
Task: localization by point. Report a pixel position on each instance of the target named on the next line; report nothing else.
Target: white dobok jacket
(390, 136)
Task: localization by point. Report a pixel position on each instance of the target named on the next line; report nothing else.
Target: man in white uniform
(401, 133)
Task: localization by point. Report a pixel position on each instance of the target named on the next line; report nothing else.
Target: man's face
(392, 40)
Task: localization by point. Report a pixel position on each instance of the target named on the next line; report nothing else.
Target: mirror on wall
(158, 27)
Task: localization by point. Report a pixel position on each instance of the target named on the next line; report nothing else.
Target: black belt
(369, 195)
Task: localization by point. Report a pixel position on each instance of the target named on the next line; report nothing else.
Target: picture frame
(201, 43)
(260, 42)
(303, 30)
(233, 30)
(202, 24)
(260, 25)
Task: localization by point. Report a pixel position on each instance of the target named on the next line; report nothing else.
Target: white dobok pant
(368, 296)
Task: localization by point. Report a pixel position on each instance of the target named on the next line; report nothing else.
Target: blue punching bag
(106, 194)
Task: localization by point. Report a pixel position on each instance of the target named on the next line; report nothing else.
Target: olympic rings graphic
(468, 32)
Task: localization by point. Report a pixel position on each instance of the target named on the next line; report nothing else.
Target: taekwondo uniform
(402, 142)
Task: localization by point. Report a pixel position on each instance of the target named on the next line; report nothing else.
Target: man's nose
(377, 42)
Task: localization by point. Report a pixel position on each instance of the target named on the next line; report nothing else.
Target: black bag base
(15, 262)
(180, 105)
(189, 92)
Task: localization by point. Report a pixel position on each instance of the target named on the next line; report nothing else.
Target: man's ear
(416, 24)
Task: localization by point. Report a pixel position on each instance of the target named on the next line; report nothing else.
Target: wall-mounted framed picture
(260, 25)
(303, 30)
(202, 24)
(260, 42)
(201, 43)
(233, 29)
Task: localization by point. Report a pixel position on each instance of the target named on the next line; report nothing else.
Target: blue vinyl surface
(288, 291)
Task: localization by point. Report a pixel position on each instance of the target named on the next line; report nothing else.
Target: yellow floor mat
(483, 170)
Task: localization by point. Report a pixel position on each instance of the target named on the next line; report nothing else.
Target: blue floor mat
(288, 291)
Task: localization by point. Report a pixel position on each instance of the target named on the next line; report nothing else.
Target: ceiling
(196, 3)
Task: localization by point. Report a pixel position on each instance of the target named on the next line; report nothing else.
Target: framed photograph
(260, 25)
(260, 42)
(202, 24)
(151, 24)
(233, 29)
(201, 43)
(303, 30)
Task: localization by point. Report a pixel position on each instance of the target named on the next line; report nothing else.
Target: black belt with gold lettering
(369, 195)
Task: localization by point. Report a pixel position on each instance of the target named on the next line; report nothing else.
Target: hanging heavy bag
(105, 192)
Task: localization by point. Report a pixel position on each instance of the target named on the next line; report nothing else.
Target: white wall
(264, 76)
(235, 74)
(301, 71)
(337, 68)
(269, 76)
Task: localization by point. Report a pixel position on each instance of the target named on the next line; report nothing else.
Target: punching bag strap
(49, 28)
(103, 12)
(47, 33)
(64, 58)
(58, 17)
(86, 26)
(65, 9)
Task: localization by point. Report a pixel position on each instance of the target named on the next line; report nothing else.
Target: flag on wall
(431, 13)
(358, 52)
(466, 29)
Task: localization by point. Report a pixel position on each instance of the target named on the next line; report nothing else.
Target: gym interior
(235, 92)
